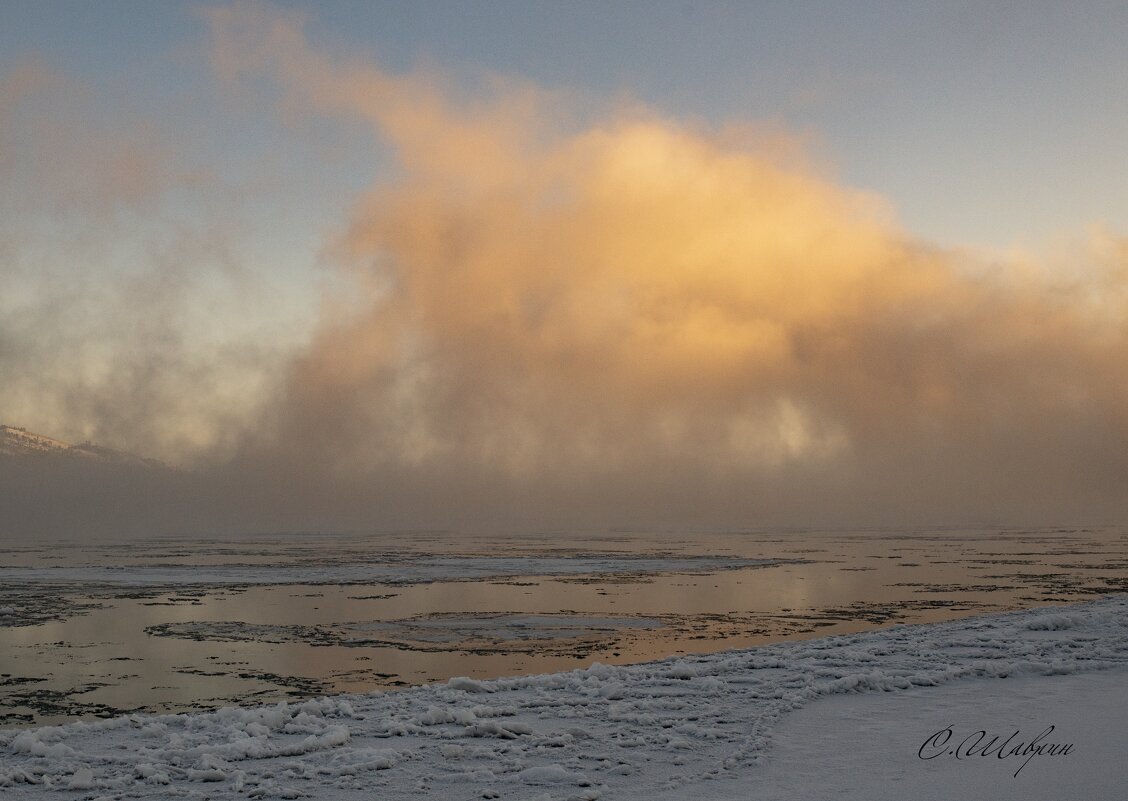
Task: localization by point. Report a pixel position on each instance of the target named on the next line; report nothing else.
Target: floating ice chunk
(681, 670)
(1053, 623)
(17, 776)
(83, 779)
(150, 773)
(31, 742)
(490, 728)
(551, 774)
(468, 684)
(206, 775)
(435, 716)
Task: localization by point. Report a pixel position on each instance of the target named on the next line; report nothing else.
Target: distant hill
(19, 442)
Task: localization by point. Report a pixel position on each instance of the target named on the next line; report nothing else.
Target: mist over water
(545, 314)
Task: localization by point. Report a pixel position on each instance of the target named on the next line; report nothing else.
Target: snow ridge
(641, 731)
(19, 442)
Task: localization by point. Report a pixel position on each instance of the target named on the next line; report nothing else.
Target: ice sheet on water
(453, 628)
(387, 570)
(462, 630)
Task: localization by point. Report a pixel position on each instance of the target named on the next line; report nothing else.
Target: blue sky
(987, 124)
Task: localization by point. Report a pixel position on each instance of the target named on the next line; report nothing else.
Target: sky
(358, 265)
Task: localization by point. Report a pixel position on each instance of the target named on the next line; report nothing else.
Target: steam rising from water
(620, 318)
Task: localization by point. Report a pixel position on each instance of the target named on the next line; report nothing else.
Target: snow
(840, 716)
(20, 442)
(1086, 710)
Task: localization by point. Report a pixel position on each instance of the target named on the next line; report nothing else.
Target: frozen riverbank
(92, 630)
(691, 727)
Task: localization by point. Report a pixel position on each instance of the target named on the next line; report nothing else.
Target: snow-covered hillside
(21, 442)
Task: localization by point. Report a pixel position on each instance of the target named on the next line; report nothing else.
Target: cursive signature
(980, 744)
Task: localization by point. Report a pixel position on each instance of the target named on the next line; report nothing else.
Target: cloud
(550, 316)
(642, 310)
(117, 252)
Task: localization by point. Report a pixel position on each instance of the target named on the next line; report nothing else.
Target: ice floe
(386, 570)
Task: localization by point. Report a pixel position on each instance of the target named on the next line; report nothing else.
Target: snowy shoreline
(701, 726)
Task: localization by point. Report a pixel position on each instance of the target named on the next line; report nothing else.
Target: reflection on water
(191, 625)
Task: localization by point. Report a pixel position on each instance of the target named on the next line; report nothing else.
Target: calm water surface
(176, 625)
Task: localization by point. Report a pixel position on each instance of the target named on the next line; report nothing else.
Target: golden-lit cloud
(613, 316)
(641, 301)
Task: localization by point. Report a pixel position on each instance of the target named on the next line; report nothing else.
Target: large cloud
(636, 311)
(619, 318)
